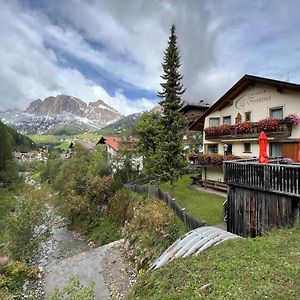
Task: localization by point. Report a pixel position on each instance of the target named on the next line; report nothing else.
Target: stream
(66, 253)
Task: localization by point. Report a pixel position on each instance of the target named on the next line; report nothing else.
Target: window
(248, 116)
(276, 113)
(276, 149)
(247, 147)
(227, 120)
(214, 122)
(212, 148)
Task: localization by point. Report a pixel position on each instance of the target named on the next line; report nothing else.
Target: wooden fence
(261, 196)
(187, 219)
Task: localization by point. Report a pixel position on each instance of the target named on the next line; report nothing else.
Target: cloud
(113, 50)
(32, 70)
(135, 34)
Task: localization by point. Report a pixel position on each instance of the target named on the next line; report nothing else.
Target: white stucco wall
(258, 100)
(213, 173)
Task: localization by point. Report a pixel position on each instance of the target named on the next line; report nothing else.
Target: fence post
(184, 216)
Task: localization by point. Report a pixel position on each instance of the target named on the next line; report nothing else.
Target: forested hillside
(11, 140)
(19, 141)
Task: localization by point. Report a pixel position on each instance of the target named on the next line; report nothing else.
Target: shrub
(268, 125)
(117, 208)
(151, 230)
(14, 273)
(27, 227)
(99, 189)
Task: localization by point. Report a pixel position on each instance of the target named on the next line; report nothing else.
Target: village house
(116, 144)
(231, 126)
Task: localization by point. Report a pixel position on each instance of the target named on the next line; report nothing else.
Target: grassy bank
(201, 205)
(7, 205)
(261, 268)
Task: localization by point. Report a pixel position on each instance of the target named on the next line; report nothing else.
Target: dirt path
(65, 253)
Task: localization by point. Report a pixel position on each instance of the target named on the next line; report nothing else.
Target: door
(290, 150)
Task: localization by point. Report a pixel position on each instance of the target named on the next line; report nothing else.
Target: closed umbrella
(299, 150)
(263, 143)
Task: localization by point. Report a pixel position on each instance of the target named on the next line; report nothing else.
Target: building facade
(254, 104)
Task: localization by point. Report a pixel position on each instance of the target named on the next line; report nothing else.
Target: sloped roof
(235, 90)
(111, 141)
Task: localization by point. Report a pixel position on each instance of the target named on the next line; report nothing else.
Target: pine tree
(170, 158)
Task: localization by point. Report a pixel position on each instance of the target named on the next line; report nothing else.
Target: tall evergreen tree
(170, 158)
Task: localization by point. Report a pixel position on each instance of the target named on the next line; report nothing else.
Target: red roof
(112, 141)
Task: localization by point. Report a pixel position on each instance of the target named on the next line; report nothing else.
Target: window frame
(250, 148)
(225, 118)
(217, 148)
(250, 115)
(271, 109)
(215, 118)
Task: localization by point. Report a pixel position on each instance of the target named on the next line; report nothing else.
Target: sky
(113, 49)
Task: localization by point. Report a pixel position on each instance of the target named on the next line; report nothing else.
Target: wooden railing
(283, 130)
(272, 177)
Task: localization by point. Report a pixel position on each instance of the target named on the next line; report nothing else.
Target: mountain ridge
(44, 116)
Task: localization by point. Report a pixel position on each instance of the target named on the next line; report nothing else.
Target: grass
(56, 139)
(63, 145)
(262, 268)
(46, 138)
(203, 206)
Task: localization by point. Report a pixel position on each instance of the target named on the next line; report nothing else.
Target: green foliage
(124, 170)
(99, 190)
(149, 131)
(19, 141)
(161, 135)
(171, 160)
(8, 168)
(99, 164)
(25, 227)
(262, 268)
(14, 273)
(74, 290)
(117, 209)
(7, 206)
(50, 170)
(151, 230)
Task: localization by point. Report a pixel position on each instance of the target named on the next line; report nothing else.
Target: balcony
(278, 129)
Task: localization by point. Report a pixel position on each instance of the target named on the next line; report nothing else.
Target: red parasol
(263, 155)
(299, 150)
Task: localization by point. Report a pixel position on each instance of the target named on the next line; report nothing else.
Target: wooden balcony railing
(282, 131)
(272, 177)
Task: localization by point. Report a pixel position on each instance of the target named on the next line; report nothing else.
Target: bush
(99, 189)
(117, 208)
(151, 230)
(14, 273)
(27, 227)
